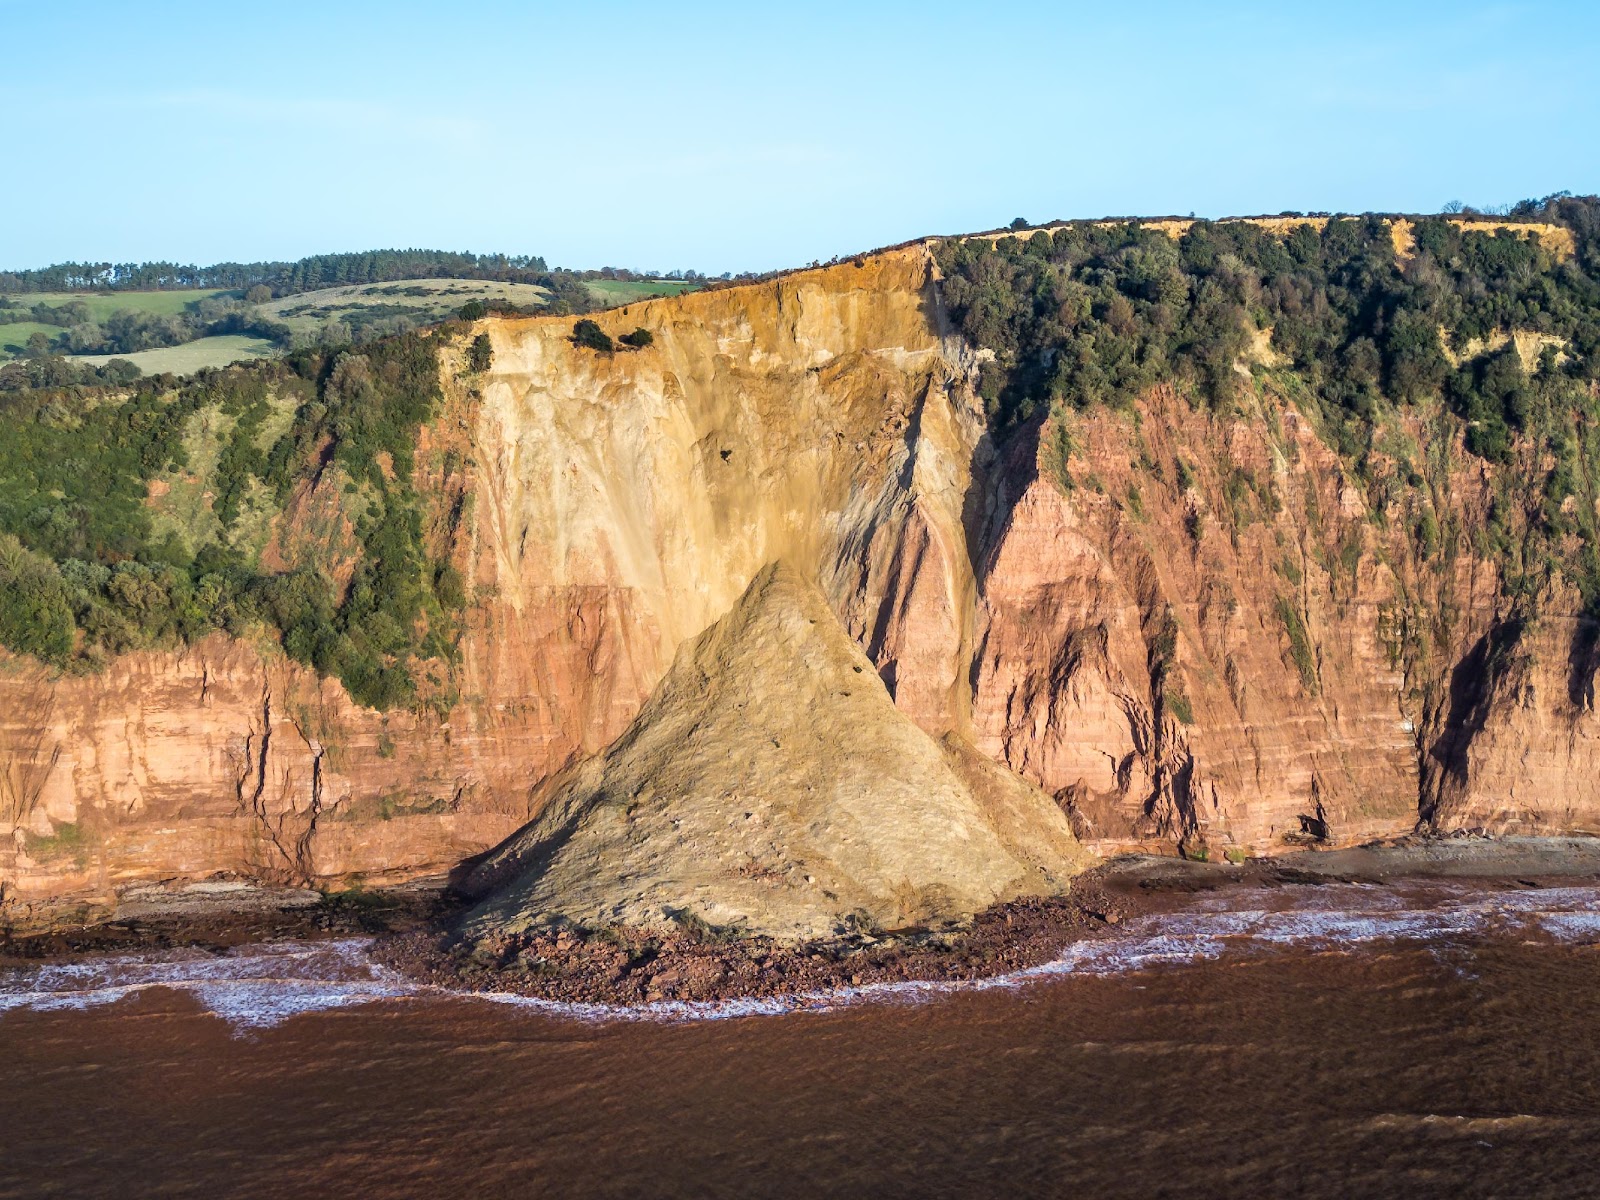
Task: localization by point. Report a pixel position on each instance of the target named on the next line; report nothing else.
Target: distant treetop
(311, 274)
(284, 278)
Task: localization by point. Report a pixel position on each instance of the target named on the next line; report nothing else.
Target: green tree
(34, 615)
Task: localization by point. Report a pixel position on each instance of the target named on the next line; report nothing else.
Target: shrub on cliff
(589, 335)
(480, 355)
(638, 339)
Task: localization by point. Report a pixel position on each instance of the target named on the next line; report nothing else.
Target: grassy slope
(181, 499)
(617, 291)
(14, 337)
(103, 304)
(429, 299)
(191, 356)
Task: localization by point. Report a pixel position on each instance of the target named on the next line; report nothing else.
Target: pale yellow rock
(771, 785)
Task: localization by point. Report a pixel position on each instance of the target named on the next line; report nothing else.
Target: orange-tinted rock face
(1213, 637)
(218, 760)
(1137, 659)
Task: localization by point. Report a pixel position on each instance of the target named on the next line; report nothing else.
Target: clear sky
(747, 136)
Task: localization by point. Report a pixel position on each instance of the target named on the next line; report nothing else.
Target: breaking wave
(259, 986)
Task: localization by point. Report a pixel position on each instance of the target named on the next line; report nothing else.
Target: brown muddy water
(1338, 1041)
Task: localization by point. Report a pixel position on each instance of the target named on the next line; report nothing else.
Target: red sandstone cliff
(1201, 632)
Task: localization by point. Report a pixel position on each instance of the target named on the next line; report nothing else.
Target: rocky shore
(620, 965)
(221, 916)
(417, 930)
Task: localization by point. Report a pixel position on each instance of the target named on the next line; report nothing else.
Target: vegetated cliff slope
(598, 510)
(770, 786)
(1220, 626)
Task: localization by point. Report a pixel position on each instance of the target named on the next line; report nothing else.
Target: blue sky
(747, 136)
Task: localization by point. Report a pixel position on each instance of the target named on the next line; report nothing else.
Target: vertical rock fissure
(290, 857)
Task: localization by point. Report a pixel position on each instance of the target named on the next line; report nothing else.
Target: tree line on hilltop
(310, 274)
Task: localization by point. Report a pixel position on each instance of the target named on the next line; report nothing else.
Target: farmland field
(354, 312)
(103, 304)
(621, 291)
(421, 300)
(14, 337)
(191, 356)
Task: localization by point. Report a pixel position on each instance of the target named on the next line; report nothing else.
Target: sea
(1343, 1040)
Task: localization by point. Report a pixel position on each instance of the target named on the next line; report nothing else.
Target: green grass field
(14, 337)
(103, 304)
(191, 356)
(618, 291)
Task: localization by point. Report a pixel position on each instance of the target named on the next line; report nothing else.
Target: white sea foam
(253, 986)
(258, 986)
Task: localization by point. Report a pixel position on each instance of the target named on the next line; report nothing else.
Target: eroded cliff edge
(1212, 641)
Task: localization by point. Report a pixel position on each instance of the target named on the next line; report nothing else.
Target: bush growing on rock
(590, 336)
(481, 354)
(34, 615)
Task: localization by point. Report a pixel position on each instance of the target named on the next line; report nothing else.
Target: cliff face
(603, 509)
(1213, 637)
(771, 786)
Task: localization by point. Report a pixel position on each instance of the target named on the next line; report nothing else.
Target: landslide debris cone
(770, 786)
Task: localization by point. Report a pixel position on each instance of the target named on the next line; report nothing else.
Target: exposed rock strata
(1177, 658)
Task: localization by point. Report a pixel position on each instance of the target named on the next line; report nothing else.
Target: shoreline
(413, 927)
(630, 967)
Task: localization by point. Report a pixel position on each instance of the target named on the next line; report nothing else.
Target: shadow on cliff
(1001, 470)
(482, 874)
(1468, 701)
(1582, 662)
